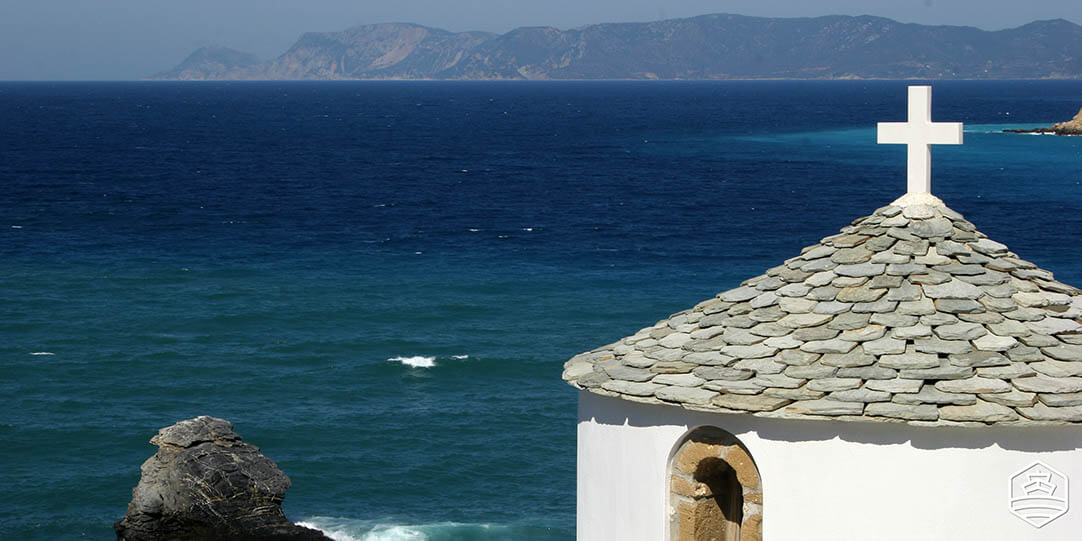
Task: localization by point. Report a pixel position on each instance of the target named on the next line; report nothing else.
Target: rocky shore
(205, 483)
(1070, 127)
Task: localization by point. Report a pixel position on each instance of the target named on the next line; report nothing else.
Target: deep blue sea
(378, 282)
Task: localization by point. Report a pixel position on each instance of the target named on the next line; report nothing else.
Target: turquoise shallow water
(378, 282)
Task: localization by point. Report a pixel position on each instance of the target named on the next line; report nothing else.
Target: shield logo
(1038, 494)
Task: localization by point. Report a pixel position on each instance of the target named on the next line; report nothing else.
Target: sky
(129, 39)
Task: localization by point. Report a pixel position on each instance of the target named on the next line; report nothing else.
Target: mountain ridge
(714, 46)
(211, 62)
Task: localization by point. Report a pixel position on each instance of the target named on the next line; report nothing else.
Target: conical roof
(909, 314)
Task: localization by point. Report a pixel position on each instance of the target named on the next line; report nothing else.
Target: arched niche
(715, 493)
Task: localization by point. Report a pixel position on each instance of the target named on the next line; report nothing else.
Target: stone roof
(907, 315)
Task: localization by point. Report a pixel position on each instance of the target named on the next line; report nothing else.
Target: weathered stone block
(974, 385)
(871, 332)
(884, 346)
(895, 385)
(859, 294)
(991, 342)
(1061, 400)
(723, 372)
(733, 387)
(739, 294)
(916, 412)
(829, 385)
(894, 319)
(628, 373)
(862, 394)
(977, 359)
(848, 321)
(828, 346)
(1058, 369)
(825, 407)
(1044, 384)
(961, 331)
(630, 387)
(1043, 412)
(945, 370)
(910, 359)
(982, 412)
(1012, 398)
(678, 380)
(930, 395)
(778, 380)
(749, 403)
(937, 345)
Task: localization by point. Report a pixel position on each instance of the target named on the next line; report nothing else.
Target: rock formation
(205, 483)
(1070, 127)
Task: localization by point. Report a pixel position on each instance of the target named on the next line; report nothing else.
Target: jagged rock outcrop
(718, 46)
(204, 483)
(1070, 127)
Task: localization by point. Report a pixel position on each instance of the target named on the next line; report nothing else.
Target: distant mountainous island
(718, 46)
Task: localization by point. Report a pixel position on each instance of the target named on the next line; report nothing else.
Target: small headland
(1070, 127)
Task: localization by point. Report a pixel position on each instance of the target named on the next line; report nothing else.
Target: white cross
(919, 133)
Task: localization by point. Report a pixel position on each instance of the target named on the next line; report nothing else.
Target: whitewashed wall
(824, 479)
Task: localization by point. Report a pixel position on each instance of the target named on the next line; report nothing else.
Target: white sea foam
(378, 533)
(342, 529)
(460, 357)
(416, 361)
(16, 227)
(335, 533)
(42, 353)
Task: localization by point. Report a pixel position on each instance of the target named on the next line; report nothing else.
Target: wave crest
(340, 529)
(416, 361)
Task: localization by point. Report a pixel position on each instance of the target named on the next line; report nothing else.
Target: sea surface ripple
(377, 282)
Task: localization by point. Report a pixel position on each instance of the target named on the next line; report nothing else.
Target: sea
(377, 283)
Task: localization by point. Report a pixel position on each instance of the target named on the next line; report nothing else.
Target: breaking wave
(416, 361)
(341, 529)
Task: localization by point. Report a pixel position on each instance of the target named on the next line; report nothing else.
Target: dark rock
(204, 483)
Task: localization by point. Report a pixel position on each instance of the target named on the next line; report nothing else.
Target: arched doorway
(715, 493)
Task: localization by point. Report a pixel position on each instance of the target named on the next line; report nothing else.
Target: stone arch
(715, 493)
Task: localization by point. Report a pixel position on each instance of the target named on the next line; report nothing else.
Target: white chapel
(905, 379)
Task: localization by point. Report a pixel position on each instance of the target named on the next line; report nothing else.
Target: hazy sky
(128, 39)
